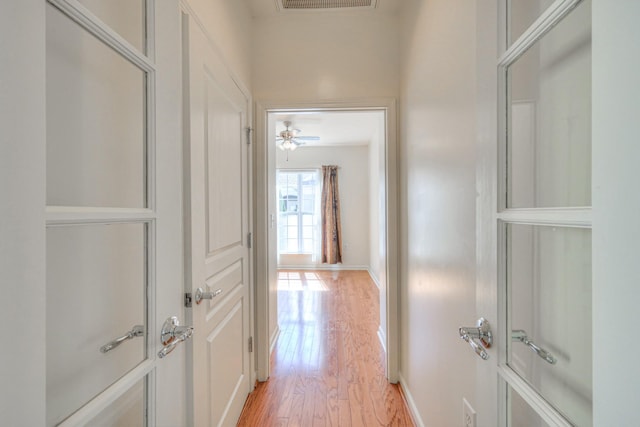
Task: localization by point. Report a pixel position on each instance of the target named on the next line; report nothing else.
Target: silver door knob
(173, 334)
(478, 337)
(201, 294)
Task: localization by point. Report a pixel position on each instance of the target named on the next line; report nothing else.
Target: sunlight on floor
(297, 281)
(327, 366)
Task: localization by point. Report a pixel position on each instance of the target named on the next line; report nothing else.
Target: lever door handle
(201, 294)
(520, 335)
(136, 331)
(480, 351)
(478, 337)
(173, 334)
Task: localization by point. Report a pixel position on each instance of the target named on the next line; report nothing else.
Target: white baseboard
(383, 339)
(411, 403)
(329, 267)
(274, 339)
(374, 278)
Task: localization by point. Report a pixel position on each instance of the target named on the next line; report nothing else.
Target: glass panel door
(100, 215)
(96, 120)
(523, 13)
(521, 414)
(129, 410)
(549, 118)
(549, 301)
(96, 298)
(126, 17)
(544, 215)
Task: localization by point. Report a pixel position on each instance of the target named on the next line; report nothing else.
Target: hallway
(327, 368)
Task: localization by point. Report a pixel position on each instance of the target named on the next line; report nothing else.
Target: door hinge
(250, 344)
(249, 130)
(250, 240)
(188, 299)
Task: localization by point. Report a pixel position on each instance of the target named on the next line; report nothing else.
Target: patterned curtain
(331, 231)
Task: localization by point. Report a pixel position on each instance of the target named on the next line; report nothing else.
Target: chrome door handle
(480, 351)
(173, 334)
(478, 337)
(136, 331)
(520, 335)
(201, 294)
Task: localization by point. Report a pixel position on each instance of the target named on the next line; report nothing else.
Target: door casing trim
(261, 224)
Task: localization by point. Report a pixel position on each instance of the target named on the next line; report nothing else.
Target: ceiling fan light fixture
(288, 138)
(287, 145)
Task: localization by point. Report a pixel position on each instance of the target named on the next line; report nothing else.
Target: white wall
(438, 206)
(353, 182)
(325, 56)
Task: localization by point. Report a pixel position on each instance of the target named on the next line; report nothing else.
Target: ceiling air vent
(325, 4)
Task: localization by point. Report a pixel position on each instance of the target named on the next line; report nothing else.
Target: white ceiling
(260, 8)
(334, 127)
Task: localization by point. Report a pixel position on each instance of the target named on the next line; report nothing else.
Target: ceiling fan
(288, 139)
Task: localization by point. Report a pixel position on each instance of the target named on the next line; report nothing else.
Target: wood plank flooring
(327, 368)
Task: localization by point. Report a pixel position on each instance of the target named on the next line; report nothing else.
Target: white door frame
(487, 48)
(262, 222)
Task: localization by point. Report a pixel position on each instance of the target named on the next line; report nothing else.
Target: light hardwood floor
(327, 368)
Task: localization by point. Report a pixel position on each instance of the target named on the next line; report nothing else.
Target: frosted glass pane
(549, 118)
(95, 121)
(549, 303)
(522, 13)
(96, 292)
(126, 17)
(521, 414)
(126, 411)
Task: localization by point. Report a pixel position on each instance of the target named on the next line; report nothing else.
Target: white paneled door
(218, 239)
(113, 217)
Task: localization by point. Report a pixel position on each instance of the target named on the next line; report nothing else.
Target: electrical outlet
(468, 414)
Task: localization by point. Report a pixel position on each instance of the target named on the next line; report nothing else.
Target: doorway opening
(360, 139)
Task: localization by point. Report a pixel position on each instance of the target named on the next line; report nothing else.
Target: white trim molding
(374, 278)
(411, 403)
(264, 263)
(274, 338)
(383, 339)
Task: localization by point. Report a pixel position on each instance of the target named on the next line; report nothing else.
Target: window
(298, 200)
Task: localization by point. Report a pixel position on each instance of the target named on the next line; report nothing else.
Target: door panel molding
(217, 216)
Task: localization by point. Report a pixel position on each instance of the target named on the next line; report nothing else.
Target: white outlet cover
(468, 414)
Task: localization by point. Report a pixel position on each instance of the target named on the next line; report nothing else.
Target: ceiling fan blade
(308, 138)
